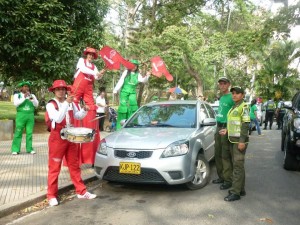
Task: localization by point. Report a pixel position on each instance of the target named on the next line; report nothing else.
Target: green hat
(238, 90)
(21, 84)
(134, 61)
(224, 79)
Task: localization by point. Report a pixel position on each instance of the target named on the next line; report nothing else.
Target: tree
(41, 40)
(197, 46)
(277, 78)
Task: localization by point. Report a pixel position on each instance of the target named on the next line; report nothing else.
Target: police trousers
(238, 163)
(221, 146)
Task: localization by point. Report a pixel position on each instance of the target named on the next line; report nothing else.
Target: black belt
(221, 124)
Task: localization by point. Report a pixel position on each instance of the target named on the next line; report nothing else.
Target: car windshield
(165, 115)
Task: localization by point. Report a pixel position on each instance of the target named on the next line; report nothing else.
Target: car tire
(282, 140)
(202, 174)
(289, 160)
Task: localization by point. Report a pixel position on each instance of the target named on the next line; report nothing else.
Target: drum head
(79, 130)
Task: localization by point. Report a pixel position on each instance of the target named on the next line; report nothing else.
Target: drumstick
(96, 118)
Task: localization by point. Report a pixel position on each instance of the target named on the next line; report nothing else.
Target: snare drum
(78, 134)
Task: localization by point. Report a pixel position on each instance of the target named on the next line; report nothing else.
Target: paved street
(273, 197)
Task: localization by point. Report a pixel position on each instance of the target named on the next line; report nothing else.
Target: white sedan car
(164, 143)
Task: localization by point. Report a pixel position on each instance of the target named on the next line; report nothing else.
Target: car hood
(147, 138)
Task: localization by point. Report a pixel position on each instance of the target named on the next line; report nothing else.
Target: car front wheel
(282, 140)
(202, 173)
(289, 161)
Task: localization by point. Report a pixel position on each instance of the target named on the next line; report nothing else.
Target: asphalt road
(273, 197)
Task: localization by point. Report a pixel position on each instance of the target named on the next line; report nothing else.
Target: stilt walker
(82, 89)
(128, 84)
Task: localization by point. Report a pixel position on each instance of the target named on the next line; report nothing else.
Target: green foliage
(277, 79)
(41, 40)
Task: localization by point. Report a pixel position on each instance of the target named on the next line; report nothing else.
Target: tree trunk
(195, 75)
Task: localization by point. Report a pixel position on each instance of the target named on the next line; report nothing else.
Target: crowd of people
(74, 106)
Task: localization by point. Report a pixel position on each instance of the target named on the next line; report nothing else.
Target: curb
(16, 206)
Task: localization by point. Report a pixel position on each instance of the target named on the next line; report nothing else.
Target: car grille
(147, 176)
(133, 154)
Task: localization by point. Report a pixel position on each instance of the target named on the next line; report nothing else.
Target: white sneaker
(32, 152)
(14, 153)
(53, 202)
(87, 195)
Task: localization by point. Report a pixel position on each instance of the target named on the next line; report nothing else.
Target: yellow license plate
(130, 168)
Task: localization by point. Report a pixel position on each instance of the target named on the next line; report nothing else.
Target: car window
(165, 115)
(295, 101)
(211, 112)
(203, 113)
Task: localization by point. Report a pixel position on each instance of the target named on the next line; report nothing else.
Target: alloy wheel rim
(200, 173)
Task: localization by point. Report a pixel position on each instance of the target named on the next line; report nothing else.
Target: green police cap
(238, 90)
(224, 79)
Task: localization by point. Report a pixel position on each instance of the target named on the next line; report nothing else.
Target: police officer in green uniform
(128, 84)
(270, 111)
(238, 120)
(221, 142)
(25, 103)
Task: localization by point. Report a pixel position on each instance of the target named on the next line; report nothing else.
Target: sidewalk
(23, 177)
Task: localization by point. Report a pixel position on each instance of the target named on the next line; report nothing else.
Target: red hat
(59, 84)
(90, 50)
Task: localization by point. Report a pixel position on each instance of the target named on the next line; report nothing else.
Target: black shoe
(265, 128)
(232, 197)
(242, 193)
(225, 186)
(218, 181)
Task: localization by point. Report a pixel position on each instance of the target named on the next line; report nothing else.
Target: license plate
(130, 168)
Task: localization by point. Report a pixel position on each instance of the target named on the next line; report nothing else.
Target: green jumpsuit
(128, 102)
(24, 119)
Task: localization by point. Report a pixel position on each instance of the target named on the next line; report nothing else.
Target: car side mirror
(288, 105)
(209, 122)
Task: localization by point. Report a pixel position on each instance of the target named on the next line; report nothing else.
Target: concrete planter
(6, 130)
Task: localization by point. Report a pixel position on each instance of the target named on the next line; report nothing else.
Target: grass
(8, 112)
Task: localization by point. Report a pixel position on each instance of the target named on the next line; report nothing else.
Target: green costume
(24, 119)
(128, 102)
(237, 126)
(221, 141)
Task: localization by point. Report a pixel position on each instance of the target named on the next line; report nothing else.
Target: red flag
(159, 68)
(113, 59)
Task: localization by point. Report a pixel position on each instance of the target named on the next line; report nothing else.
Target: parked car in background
(290, 138)
(163, 143)
(215, 106)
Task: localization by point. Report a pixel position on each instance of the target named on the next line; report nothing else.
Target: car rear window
(165, 115)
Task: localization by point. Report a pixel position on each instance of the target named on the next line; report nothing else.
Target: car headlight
(297, 123)
(177, 148)
(102, 149)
